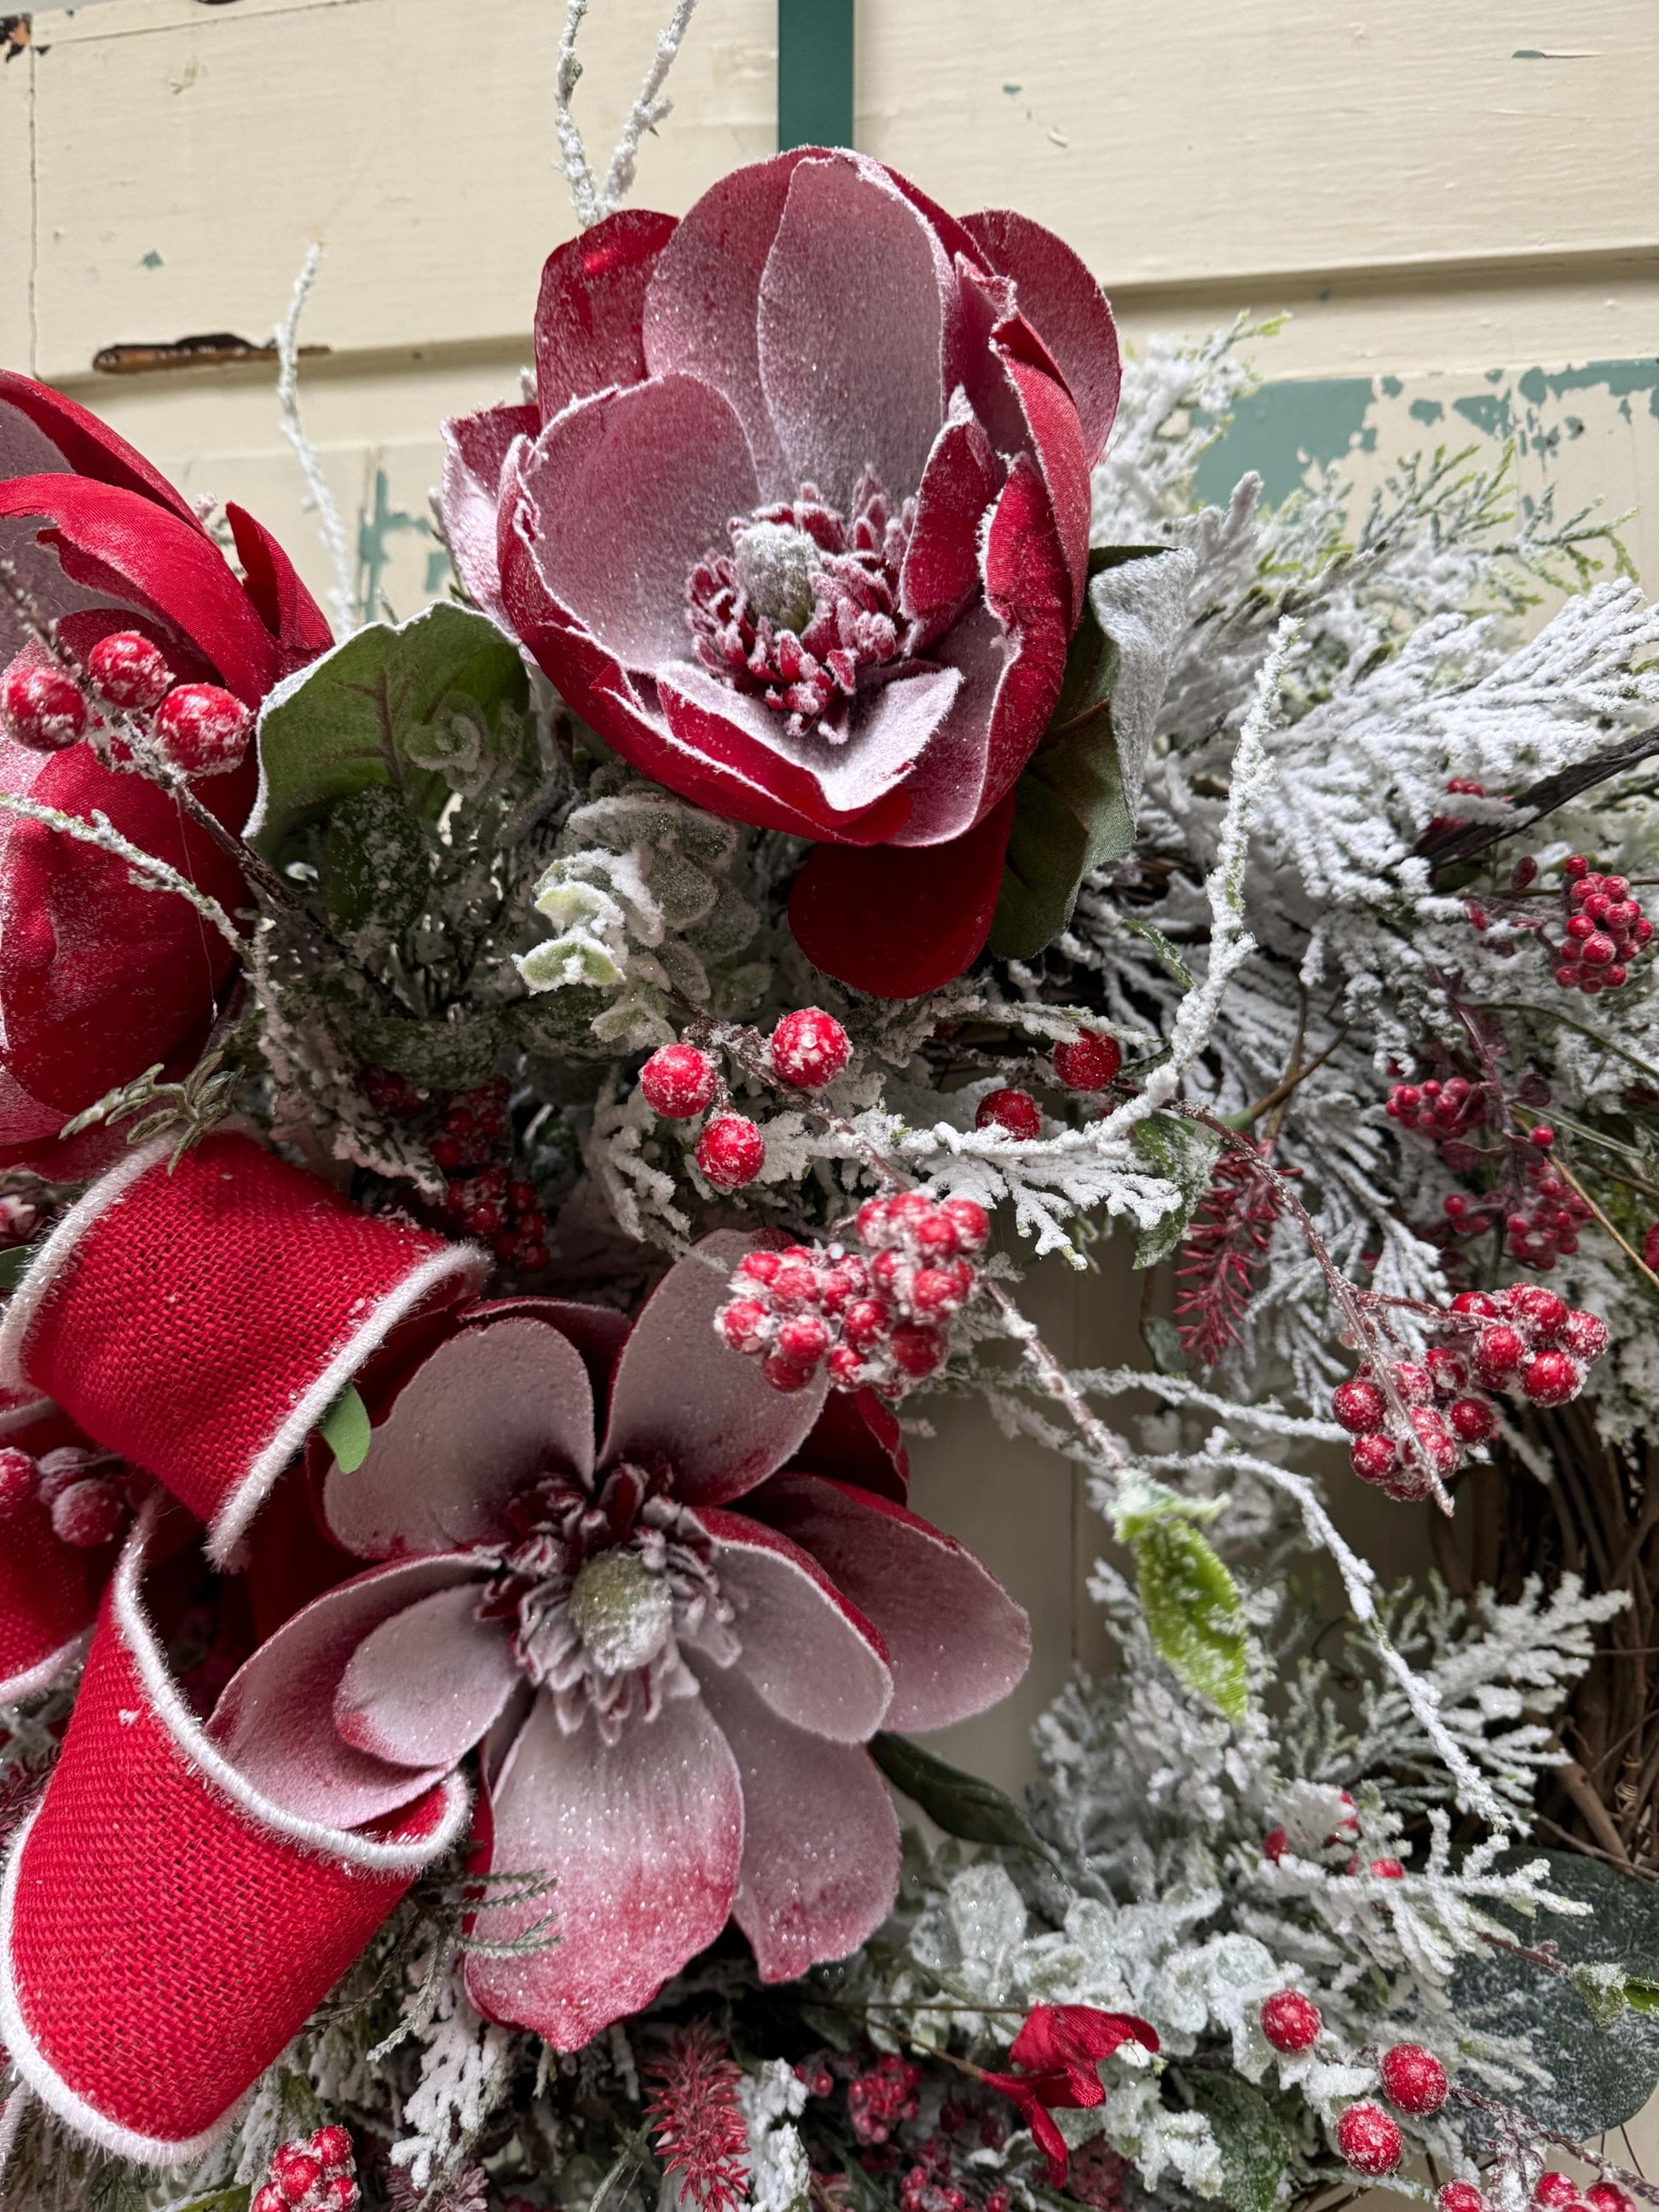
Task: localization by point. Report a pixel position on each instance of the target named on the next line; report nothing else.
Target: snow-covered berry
(1554, 2187)
(970, 1221)
(785, 1374)
(332, 2145)
(918, 1351)
(1608, 2196)
(41, 704)
(1360, 1406)
(1387, 1870)
(1369, 2140)
(1542, 1314)
(88, 1513)
(1472, 1419)
(802, 1338)
(338, 2192)
(202, 729)
(1460, 2196)
(1552, 1378)
(268, 2198)
(295, 2171)
(679, 1081)
(1291, 2021)
(1375, 1458)
(743, 1324)
(20, 1480)
(1090, 1064)
(1498, 1352)
(130, 670)
(1413, 2080)
(809, 1048)
(1585, 1335)
(1016, 1113)
(731, 1152)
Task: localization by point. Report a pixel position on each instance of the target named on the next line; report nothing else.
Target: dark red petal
(940, 573)
(1046, 2136)
(589, 308)
(858, 1439)
(90, 448)
(1027, 588)
(1060, 298)
(900, 920)
(1069, 2036)
(281, 602)
(1057, 441)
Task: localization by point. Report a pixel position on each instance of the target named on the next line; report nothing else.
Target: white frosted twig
(647, 111)
(153, 875)
(1180, 1390)
(572, 163)
(342, 599)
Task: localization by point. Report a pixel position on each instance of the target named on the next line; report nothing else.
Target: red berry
(1460, 2196)
(295, 2171)
(1016, 1113)
(1438, 1447)
(1359, 1406)
(810, 1049)
(1472, 1419)
(935, 1292)
(1541, 1313)
(332, 2145)
(802, 1338)
(1369, 2140)
(1449, 1370)
(88, 1513)
(970, 1221)
(743, 1324)
(1374, 1458)
(1291, 2021)
(269, 2198)
(1387, 1869)
(1273, 1843)
(203, 729)
(446, 1154)
(533, 1257)
(1415, 1384)
(130, 671)
(865, 1324)
(1498, 1352)
(1584, 1336)
(1413, 2080)
(1554, 2188)
(1574, 865)
(796, 1281)
(1090, 1064)
(1552, 1378)
(1608, 2196)
(485, 1220)
(339, 2193)
(679, 1081)
(20, 1480)
(1475, 1303)
(41, 704)
(784, 1374)
(918, 1352)
(731, 1152)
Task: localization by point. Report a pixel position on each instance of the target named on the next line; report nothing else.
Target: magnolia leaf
(962, 1804)
(1074, 807)
(345, 1429)
(1193, 1612)
(1255, 2146)
(13, 1265)
(1185, 1154)
(349, 719)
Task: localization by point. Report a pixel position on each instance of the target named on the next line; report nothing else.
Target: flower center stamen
(622, 1613)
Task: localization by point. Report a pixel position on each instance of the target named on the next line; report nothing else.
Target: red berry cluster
(1525, 1340)
(1537, 1208)
(874, 1319)
(89, 1494)
(1440, 1111)
(883, 2096)
(807, 1049)
(1604, 932)
(483, 1198)
(1561, 2193)
(937, 2183)
(1413, 2082)
(201, 729)
(312, 2173)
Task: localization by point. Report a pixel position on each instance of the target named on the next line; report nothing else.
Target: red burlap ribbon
(49, 1591)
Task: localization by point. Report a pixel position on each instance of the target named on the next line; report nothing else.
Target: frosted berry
(88, 1513)
(1291, 2021)
(1498, 1352)
(1359, 1406)
(1374, 1458)
(785, 1374)
(970, 1221)
(1369, 2140)
(1016, 1113)
(1475, 1304)
(41, 704)
(338, 2192)
(1552, 1378)
(1543, 1312)
(1460, 2196)
(1552, 2187)
(918, 1352)
(1585, 1335)
(731, 1152)
(295, 2173)
(809, 1048)
(20, 1480)
(1608, 2196)
(130, 671)
(202, 729)
(1472, 1419)
(743, 1324)
(269, 2198)
(1438, 1447)
(679, 1081)
(1274, 1845)
(803, 1340)
(332, 2145)
(1387, 1870)
(1090, 1064)
(1413, 2080)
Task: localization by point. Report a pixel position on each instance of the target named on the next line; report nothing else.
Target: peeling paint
(375, 526)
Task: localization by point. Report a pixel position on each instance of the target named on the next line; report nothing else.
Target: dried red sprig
(695, 2119)
(1225, 1243)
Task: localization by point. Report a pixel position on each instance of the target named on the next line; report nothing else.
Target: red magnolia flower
(614, 1557)
(799, 521)
(1057, 2052)
(100, 978)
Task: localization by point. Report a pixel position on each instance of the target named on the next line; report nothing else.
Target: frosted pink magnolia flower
(799, 521)
(672, 1653)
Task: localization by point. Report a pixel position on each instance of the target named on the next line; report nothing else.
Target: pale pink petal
(956, 1640)
(644, 1839)
(587, 311)
(681, 1396)
(941, 562)
(703, 303)
(892, 725)
(481, 1417)
(422, 1687)
(812, 1657)
(855, 306)
(820, 1838)
(1062, 303)
(275, 1720)
(631, 489)
(475, 448)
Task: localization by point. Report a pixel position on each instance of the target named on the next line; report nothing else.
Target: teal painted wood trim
(815, 73)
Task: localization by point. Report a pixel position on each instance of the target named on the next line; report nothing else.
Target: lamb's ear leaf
(962, 1804)
(1256, 2148)
(345, 1429)
(1074, 806)
(1185, 1152)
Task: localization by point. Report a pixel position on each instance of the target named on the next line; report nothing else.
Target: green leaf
(348, 722)
(1074, 806)
(1185, 1152)
(373, 860)
(13, 1265)
(1255, 2148)
(1169, 959)
(1604, 2071)
(345, 1429)
(1193, 1614)
(1162, 1340)
(962, 1804)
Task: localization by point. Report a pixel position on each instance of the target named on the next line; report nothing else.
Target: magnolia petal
(855, 307)
(940, 573)
(956, 1640)
(588, 308)
(1027, 587)
(1057, 442)
(680, 1396)
(813, 1657)
(644, 1838)
(41, 431)
(421, 1688)
(475, 448)
(1061, 299)
(275, 1720)
(821, 1838)
(481, 1416)
(631, 489)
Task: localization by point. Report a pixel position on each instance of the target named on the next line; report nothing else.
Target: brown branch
(1550, 791)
